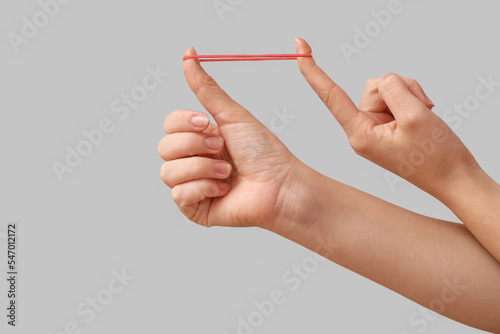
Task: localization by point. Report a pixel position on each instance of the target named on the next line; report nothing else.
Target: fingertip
(190, 52)
(223, 187)
(301, 46)
(193, 71)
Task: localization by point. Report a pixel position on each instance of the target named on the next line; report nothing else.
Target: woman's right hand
(395, 128)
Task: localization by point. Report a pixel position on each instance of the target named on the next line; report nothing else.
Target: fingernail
(213, 142)
(199, 120)
(429, 100)
(297, 44)
(222, 167)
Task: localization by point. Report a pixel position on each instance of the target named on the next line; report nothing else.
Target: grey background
(114, 212)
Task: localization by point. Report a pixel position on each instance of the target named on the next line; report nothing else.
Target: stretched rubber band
(246, 57)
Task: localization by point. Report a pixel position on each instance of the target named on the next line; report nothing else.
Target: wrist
(298, 205)
(456, 190)
(312, 209)
(474, 199)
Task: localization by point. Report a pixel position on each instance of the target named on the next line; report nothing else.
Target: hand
(394, 127)
(233, 173)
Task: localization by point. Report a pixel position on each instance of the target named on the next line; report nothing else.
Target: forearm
(475, 199)
(413, 255)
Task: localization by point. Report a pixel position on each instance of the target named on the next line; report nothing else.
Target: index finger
(333, 96)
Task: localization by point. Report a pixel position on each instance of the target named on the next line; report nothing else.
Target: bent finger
(185, 121)
(188, 194)
(402, 103)
(372, 101)
(187, 144)
(183, 170)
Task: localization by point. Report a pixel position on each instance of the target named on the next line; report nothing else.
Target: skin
(243, 175)
(394, 123)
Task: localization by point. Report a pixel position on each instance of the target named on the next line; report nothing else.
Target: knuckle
(169, 120)
(359, 144)
(162, 148)
(166, 124)
(327, 94)
(195, 144)
(166, 174)
(209, 82)
(412, 120)
(198, 166)
(372, 83)
(324, 96)
(390, 81)
(177, 195)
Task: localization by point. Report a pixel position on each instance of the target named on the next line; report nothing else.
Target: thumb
(332, 95)
(215, 100)
(400, 99)
(371, 99)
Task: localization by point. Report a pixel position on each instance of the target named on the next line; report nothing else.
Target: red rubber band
(246, 57)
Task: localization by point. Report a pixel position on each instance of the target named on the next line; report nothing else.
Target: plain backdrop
(113, 212)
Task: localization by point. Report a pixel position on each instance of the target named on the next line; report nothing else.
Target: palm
(260, 163)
